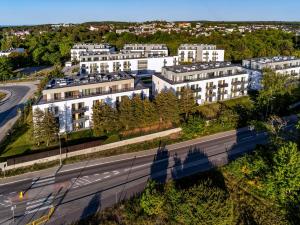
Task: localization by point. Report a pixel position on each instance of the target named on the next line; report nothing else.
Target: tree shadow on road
(160, 164)
(93, 206)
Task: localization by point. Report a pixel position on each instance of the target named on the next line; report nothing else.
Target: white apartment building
(288, 65)
(11, 50)
(210, 82)
(200, 53)
(71, 99)
(147, 50)
(91, 62)
(78, 49)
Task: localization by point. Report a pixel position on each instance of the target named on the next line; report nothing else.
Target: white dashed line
(106, 177)
(86, 180)
(106, 173)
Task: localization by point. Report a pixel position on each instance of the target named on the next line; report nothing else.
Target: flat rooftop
(139, 46)
(266, 60)
(198, 67)
(87, 79)
(91, 46)
(194, 46)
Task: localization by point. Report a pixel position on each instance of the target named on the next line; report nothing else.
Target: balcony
(222, 92)
(210, 95)
(239, 89)
(211, 87)
(80, 120)
(238, 82)
(196, 89)
(224, 85)
(80, 110)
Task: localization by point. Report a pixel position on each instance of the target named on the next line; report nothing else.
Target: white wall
(154, 64)
(65, 107)
(159, 85)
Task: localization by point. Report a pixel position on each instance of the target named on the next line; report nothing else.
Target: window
(57, 96)
(142, 64)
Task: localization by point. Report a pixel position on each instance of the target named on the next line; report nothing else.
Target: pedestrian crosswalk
(85, 180)
(6, 200)
(39, 205)
(40, 182)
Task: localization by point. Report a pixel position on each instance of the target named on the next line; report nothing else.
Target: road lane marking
(39, 209)
(145, 155)
(37, 205)
(108, 176)
(39, 200)
(140, 156)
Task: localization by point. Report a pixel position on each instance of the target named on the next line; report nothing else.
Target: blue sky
(18, 12)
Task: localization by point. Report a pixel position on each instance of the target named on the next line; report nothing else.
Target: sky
(30, 12)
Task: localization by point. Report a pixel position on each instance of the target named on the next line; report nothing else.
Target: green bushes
(112, 138)
(272, 172)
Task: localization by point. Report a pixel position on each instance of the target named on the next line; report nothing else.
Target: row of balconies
(80, 95)
(81, 119)
(80, 110)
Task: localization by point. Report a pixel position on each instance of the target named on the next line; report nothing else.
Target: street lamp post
(60, 160)
(13, 207)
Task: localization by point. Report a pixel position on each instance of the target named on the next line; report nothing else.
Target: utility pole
(60, 160)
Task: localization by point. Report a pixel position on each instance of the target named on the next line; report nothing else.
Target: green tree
(137, 110)
(186, 102)
(152, 202)
(167, 107)
(274, 85)
(50, 128)
(45, 127)
(283, 180)
(149, 113)
(38, 126)
(125, 113)
(105, 119)
(5, 69)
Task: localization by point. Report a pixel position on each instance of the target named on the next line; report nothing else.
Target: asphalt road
(9, 107)
(78, 192)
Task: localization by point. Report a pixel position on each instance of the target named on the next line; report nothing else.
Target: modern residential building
(91, 62)
(200, 53)
(210, 81)
(11, 50)
(288, 65)
(147, 50)
(71, 99)
(78, 49)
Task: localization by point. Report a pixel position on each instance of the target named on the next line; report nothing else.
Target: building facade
(147, 50)
(91, 62)
(287, 65)
(11, 50)
(71, 100)
(210, 82)
(200, 53)
(78, 49)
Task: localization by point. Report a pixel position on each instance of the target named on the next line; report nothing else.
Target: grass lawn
(20, 143)
(2, 95)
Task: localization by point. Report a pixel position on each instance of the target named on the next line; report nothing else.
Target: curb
(8, 95)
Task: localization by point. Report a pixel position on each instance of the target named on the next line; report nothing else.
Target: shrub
(112, 138)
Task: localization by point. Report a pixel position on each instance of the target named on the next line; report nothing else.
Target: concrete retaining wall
(99, 148)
